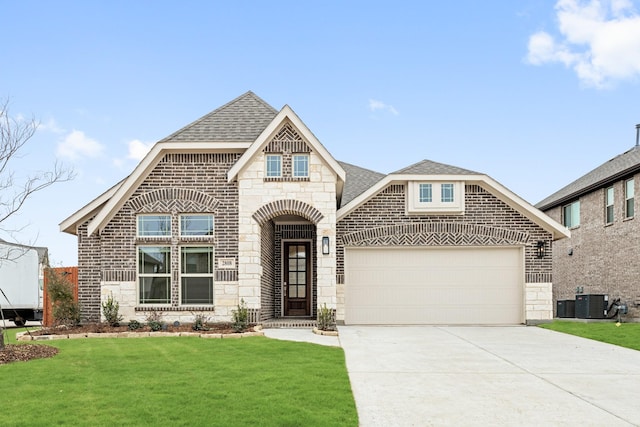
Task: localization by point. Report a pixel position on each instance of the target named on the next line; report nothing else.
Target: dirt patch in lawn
(25, 352)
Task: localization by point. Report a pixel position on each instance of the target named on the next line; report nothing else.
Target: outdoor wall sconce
(325, 245)
(540, 249)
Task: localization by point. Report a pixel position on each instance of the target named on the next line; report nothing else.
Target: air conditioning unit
(591, 306)
(566, 308)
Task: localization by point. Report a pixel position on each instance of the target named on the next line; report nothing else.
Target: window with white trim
(608, 210)
(435, 197)
(196, 275)
(629, 198)
(300, 165)
(154, 274)
(154, 225)
(273, 165)
(571, 214)
(196, 225)
(426, 193)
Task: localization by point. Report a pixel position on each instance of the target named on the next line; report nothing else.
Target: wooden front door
(297, 279)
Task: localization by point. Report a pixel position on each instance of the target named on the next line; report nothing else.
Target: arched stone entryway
(288, 255)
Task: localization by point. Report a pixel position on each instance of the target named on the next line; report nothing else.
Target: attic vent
(637, 135)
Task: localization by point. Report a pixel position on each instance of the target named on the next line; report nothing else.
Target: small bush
(134, 325)
(200, 322)
(241, 317)
(326, 322)
(66, 311)
(110, 310)
(155, 321)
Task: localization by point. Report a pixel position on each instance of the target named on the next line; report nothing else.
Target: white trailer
(21, 281)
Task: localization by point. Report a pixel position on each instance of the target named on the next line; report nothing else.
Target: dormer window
(273, 165)
(435, 197)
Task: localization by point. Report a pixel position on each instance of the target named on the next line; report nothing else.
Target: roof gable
(427, 170)
(287, 114)
(624, 164)
(240, 120)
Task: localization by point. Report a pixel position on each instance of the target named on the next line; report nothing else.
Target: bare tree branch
(14, 134)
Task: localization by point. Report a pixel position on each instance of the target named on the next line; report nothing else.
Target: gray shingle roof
(624, 164)
(240, 120)
(427, 167)
(357, 181)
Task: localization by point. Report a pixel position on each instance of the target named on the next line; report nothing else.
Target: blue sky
(534, 93)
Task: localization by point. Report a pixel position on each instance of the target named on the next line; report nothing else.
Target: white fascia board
(557, 230)
(145, 167)
(70, 225)
(267, 133)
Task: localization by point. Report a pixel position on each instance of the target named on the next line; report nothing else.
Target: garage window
(435, 197)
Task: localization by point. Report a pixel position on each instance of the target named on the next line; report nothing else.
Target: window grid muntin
(273, 165)
(447, 193)
(300, 165)
(426, 193)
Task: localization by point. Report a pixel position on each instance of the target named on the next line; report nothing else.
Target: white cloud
(51, 126)
(375, 105)
(138, 149)
(598, 39)
(76, 144)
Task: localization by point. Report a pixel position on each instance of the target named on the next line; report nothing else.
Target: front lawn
(625, 335)
(171, 381)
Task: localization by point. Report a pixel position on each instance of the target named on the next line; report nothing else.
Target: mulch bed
(25, 352)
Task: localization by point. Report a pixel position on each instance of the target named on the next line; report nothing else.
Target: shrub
(326, 322)
(241, 317)
(110, 310)
(200, 322)
(66, 310)
(134, 325)
(155, 321)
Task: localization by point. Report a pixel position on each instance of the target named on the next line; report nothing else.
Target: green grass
(625, 335)
(177, 381)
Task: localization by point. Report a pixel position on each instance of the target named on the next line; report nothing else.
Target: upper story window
(608, 210)
(629, 197)
(571, 214)
(154, 226)
(300, 165)
(196, 225)
(435, 197)
(273, 165)
(446, 193)
(426, 193)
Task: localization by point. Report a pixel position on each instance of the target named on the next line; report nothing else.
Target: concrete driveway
(490, 376)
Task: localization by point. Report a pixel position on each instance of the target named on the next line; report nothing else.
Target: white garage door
(434, 286)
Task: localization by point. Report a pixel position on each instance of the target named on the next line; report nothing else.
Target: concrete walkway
(489, 376)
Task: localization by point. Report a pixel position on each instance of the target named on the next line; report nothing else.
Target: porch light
(325, 245)
(540, 249)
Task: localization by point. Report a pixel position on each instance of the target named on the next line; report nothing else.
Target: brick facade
(600, 258)
(180, 183)
(487, 221)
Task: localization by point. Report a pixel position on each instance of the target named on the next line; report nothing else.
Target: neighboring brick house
(246, 204)
(601, 257)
